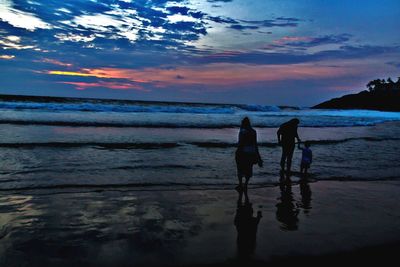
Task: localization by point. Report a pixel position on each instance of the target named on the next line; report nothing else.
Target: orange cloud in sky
(216, 74)
(7, 56)
(111, 85)
(291, 39)
(75, 73)
(225, 54)
(56, 62)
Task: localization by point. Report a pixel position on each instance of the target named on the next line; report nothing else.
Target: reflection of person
(247, 152)
(306, 157)
(287, 133)
(246, 225)
(286, 210)
(305, 192)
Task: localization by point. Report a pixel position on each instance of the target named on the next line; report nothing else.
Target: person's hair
(245, 123)
(307, 143)
(295, 121)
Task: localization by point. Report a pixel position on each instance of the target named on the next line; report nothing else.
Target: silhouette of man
(287, 133)
(246, 225)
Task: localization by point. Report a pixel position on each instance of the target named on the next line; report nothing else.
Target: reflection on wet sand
(287, 208)
(305, 192)
(93, 229)
(246, 225)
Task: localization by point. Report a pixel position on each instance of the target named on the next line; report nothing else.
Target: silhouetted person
(247, 152)
(286, 210)
(246, 226)
(305, 192)
(287, 133)
(306, 158)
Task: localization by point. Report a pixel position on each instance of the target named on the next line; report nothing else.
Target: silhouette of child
(306, 157)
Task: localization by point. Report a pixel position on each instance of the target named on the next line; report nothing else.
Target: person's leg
(281, 176)
(249, 171)
(301, 168)
(247, 181)
(239, 169)
(240, 194)
(283, 159)
(290, 151)
(240, 179)
(246, 196)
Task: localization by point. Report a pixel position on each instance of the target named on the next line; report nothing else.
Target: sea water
(86, 143)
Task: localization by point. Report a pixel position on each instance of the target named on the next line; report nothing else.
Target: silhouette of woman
(247, 152)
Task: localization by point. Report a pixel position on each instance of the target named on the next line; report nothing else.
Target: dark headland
(381, 95)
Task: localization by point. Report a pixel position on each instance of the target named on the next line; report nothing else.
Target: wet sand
(313, 223)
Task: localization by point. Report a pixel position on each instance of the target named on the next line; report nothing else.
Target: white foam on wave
(185, 115)
(139, 108)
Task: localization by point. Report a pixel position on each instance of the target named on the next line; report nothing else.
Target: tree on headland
(380, 85)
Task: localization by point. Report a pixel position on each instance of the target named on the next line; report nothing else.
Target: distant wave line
(182, 125)
(141, 107)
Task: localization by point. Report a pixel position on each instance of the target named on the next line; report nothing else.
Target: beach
(123, 227)
(126, 183)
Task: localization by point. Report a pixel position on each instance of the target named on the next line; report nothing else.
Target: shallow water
(101, 144)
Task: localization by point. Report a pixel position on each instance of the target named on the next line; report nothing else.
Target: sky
(278, 52)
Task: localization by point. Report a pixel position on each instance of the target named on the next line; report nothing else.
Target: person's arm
(310, 156)
(259, 216)
(297, 136)
(299, 146)
(240, 140)
(279, 135)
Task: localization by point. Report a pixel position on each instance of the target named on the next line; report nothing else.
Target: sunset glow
(212, 51)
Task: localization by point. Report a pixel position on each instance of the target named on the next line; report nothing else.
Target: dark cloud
(294, 56)
(186, 27)
(255, 24)
(327, 39)
(240, 27)
(218, 1)
(288, 19)
(197, 14)
(178, 10)
(220, 19)
(304, 42)
(277, 22)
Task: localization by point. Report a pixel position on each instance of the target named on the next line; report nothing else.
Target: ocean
(130, 183)
(85, 144)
